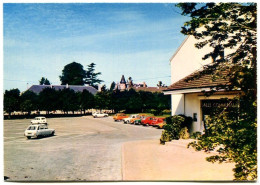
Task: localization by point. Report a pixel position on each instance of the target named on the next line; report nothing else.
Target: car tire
(28, 137)
(52, 134)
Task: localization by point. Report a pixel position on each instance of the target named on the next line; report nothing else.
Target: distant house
(126, 85)
(77, 88)
(188, 93)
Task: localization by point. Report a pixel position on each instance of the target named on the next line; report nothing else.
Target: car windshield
(32, 128)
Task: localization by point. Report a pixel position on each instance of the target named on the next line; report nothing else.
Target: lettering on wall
(218, 103)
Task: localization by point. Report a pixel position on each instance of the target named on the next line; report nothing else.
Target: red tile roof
(194, 80)
(151, 89)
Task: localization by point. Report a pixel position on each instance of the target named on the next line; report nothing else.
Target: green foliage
(11, 100)
(229, 26)
(173, 126)
(44, 81)
(68, 100)
(165, 137)
(176, 127)
(92, 77)
(184, 134)
(29, 102)
(87, 100)
(195, 135)
(112, 86)
(47, 99)
(73, 74)
(102, 100)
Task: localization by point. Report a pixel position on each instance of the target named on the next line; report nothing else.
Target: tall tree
(92, 77)
(112, 86)
(12, 100)
(229, 26)
(73, 74)
(44, 81)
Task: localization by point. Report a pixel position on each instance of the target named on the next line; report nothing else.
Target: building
(188, 93)
(126, 85)
(77, 88)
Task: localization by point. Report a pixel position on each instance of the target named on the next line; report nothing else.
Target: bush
(176, 127)
(196, 135)
(184, 134)
(165, 137)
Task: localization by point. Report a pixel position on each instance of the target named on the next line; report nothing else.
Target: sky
(132, 39)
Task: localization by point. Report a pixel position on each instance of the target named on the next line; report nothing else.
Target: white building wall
(193, 105)
(187, 59)
(177, 104)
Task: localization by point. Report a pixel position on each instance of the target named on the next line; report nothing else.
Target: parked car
(39, 120)
(119, 116)
(139, 116)
(127, 120)
(147, 121)
(137, 121)
(156, 121)
(99, 115)
(38, 130)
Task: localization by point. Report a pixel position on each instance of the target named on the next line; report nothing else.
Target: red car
(147, 121)
(157, 121)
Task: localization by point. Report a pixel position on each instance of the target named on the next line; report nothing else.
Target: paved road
(83, 149)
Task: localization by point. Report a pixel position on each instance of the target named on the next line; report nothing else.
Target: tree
(92, 77)
(73, 74)
(68, 100)
(12, 100)
(48, 99)
(232, 26)
(112, 86)
(29, 102)
(87, 100)
(44, 81)
(102, 100)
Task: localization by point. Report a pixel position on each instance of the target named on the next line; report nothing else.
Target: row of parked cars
(140, 119)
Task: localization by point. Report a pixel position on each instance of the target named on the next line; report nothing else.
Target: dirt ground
(150, 161)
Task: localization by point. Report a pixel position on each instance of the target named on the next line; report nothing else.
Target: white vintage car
(39, 120)
(39, 130)
(99, 114)
(127, 120)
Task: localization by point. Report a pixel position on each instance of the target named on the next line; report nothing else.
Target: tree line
(67, 100)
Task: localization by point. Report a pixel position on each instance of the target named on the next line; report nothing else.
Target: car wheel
(28, 137)
(52, 134)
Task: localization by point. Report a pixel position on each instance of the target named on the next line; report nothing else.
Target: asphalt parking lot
(83, 149)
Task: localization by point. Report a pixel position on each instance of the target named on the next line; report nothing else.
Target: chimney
(99, 88)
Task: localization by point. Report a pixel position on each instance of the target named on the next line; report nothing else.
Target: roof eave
(190, 90)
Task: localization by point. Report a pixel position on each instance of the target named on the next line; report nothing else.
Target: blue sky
(135, 40)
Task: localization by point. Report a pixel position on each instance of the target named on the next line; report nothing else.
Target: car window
(32, 128)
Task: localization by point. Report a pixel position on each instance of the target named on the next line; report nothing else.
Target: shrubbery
(176, 127)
